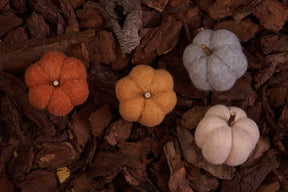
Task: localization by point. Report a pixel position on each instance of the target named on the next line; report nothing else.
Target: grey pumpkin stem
(206, 49)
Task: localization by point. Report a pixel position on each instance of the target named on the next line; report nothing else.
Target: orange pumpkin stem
(55, 83)
(206, 49)
(147, 95)
(231, 118)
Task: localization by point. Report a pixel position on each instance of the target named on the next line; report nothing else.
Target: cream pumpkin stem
(206, 49)
(56, 83)
(147, 95)
(231, 118)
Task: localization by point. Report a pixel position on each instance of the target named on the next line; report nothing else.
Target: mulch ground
(93, 148)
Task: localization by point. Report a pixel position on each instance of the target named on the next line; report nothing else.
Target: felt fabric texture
(226, 144)
(134, 106)
(71, 75)
(222, 68)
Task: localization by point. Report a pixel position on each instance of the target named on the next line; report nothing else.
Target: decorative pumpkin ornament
(57, 83)
(226, 135)
(214, 60)
(146, 95)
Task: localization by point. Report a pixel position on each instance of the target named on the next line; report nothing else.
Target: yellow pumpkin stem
(147, 95)
(55, 83)
(231, 118)
(206, 49)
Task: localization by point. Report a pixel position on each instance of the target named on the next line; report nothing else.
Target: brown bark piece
(284, 117)
(272, 14)
(15, 89)
(83, 183)
(40, 180)
(6, 184)
(54, 156)
(118, 131)
(150, 19)
(37, 26)
(15, 36)
(274, 43)
(90, 17)
(135, 153)
(19, 5)
(47, 9)
(102, 48)
(178, 180)
(266, 72)
(5, 157)
(121, 61)
(32, 50)
(106, 165)
(277, 97)
(80, 124)
(3, 4)
(12, 116)
(158, 5)
(161, 40)
(272, 187)
(99, 120)
(220, 9)
(205, 183)
(77, 3)
(192, 117)
(244, 30)
(9, 21)
(250, 178)
(23, 163)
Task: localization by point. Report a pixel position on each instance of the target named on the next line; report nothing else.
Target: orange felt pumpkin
(57, 83)
(146, 95)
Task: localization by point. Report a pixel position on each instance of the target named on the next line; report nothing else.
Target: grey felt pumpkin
(214, 60)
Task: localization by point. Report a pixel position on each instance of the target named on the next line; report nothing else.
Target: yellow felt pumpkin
(146, 95)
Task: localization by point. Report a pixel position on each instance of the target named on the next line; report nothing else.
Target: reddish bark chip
(53, 156)
(40, 180)
(272, 14)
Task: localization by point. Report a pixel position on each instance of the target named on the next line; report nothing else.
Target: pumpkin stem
(55, 83)
(206, 49)
(147, 95)
(231, 118)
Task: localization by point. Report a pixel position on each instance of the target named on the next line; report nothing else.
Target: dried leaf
(63, 173)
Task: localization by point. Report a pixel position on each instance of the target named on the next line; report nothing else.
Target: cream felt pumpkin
(214, 60)
(226, 135)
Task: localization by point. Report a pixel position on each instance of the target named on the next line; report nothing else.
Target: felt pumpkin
(226, 135)
(214, 60)
(57, 83)
(146, 95)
